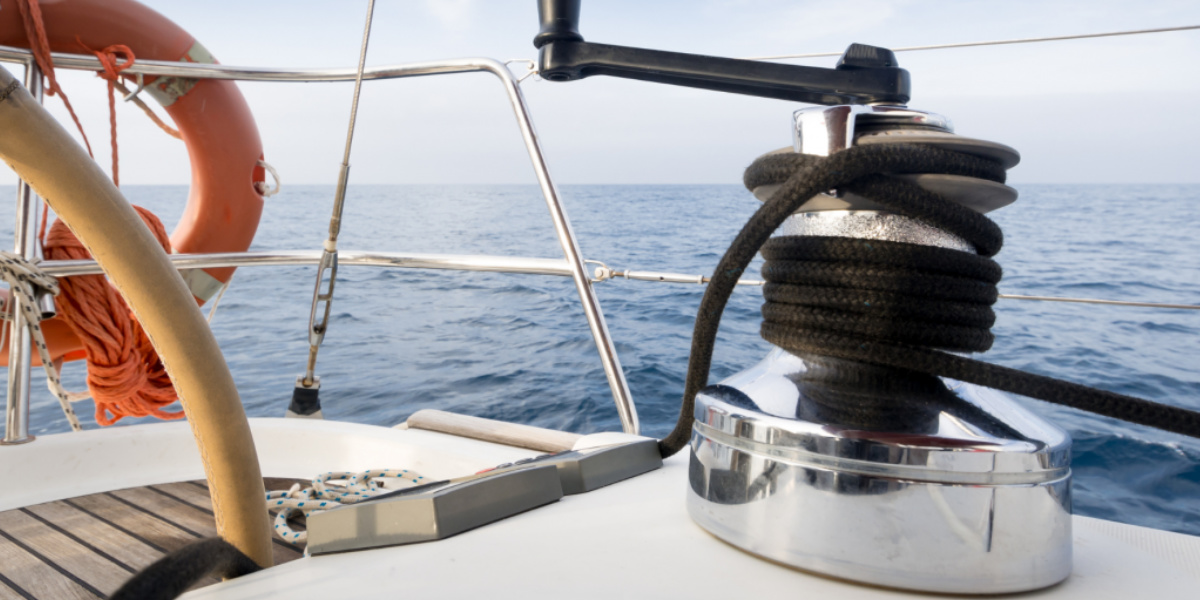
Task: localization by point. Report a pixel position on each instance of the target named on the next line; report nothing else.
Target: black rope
(883, 303)
(172, 575)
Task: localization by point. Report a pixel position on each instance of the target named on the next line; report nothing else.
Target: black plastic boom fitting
(864, 75)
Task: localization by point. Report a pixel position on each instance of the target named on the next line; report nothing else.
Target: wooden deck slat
(7, 593)
(93, 570)
(186, 490)
(106, 538)
(86, 547)
(154, 532)
(170, 510)
(189, 517)
(36, 578)
(188, 493)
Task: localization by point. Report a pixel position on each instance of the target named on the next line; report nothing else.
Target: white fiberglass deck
(632, 539)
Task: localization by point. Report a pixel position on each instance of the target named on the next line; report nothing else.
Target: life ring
(224, 205)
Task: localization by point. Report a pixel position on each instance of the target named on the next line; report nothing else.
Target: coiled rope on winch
(885, 303)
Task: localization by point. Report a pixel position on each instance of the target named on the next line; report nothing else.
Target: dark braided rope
(884, 303)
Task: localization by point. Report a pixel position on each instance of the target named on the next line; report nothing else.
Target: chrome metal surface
(875, 474)
(80, 62)
(456, 262)
(322, 305)
(16, 413)
(45, 305)
(604, 272)
(872, 225)
(961, 490)
(823, 130)
(566, 238)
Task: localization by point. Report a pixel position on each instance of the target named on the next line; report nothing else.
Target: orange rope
(111, 74)
(35, 32)
(171, 131)
(39, 44)
(125, 376)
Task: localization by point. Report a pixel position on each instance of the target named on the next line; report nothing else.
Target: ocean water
(517, 348)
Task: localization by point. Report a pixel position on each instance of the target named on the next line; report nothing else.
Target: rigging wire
(606, 273)
(1095, 301)
(1055, 38)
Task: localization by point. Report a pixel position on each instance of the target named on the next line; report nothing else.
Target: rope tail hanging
(885, 303)
(112, 74)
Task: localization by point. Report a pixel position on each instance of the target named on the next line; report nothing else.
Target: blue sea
(517, 348)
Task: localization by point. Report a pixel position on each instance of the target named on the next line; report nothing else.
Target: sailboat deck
(86, 547)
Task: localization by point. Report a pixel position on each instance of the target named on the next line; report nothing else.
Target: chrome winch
(878, 474)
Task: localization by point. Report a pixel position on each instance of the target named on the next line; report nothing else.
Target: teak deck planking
(84, 548)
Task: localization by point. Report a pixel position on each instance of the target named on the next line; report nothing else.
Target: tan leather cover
(43, 154)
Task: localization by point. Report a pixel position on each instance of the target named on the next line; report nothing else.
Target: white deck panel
(635, 540)
(630, 540)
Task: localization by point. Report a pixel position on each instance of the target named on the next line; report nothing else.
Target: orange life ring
(224, 205)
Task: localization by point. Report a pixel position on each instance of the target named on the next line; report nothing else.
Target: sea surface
(517, 348)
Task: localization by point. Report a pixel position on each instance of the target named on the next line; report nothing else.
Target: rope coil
(325, 495)
(884, 303)
(125, 376)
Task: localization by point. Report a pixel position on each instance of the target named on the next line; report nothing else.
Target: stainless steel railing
(16, 413)
(18, 405)
(456, 262)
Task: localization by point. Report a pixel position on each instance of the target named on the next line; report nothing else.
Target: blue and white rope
(326, 495)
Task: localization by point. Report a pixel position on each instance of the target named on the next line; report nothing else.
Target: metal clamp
(530, 72)
(602, 273)
(141, 85)
(322, 302)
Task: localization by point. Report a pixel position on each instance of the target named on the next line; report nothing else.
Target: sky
(1110, 110)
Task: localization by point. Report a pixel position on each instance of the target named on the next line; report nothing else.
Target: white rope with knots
(24, 279)
(325, 494)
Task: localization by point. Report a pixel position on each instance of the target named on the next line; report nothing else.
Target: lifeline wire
(1056, 38)
(889, 304)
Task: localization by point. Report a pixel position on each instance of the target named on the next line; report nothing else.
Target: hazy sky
(1105, 110)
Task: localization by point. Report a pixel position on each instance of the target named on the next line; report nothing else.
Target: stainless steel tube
(16, 413)
(566, 238)
(456, 262)
(212, 71)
